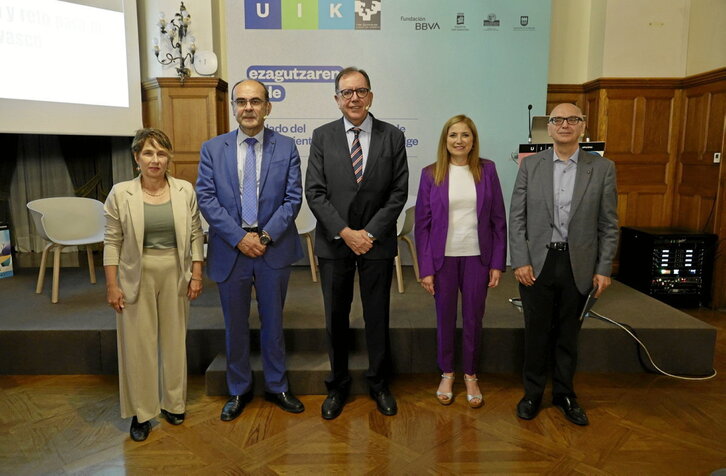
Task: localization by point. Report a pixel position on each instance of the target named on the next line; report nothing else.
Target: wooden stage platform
(77, 335)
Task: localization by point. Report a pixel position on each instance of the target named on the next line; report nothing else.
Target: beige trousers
(151, 335)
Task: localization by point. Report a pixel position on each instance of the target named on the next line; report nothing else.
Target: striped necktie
(356, 156)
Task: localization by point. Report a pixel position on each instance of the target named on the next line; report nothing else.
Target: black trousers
(552, 307)
(337, 279)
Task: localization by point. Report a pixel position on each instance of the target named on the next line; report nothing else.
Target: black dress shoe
(333, 404)
(173, 418)
(235, 405)
(527, 408)
(285, 400)
(571, 410)
(385, 401)
(139, 431)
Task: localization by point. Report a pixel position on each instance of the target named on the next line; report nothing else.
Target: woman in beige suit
(153, 263)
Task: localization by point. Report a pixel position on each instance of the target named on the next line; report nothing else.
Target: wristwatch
(265, 238)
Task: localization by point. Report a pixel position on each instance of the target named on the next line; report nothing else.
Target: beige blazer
(124, 237)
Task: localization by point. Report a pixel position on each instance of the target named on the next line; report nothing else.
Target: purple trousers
(465, 274)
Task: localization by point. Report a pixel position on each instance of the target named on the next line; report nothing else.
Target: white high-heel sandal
(475, 401)
(445, 398)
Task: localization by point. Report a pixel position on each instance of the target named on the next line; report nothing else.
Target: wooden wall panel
(656, 132)
(698, 179)
(151, 113)
(638, 128)
(190, 128)
(644, 209)
(222, 108)
(694, 122)
(693, 212)
(700, 187)
(642, 177)
(620, 126)
(716, 120)
(592, 104)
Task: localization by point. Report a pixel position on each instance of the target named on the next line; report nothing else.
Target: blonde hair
(441, 167)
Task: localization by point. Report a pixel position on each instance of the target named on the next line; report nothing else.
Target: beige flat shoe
(445, 398)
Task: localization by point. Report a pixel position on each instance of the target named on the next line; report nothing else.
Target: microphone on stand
(587, 133)
(529, 122)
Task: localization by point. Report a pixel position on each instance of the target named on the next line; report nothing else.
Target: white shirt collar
(241, 136)
(366, 125)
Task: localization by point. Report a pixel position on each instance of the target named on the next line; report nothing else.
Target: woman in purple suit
(461, 242)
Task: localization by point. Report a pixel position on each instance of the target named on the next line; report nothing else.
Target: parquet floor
(640, 424)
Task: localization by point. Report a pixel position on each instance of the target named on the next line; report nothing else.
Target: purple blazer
(432, 220)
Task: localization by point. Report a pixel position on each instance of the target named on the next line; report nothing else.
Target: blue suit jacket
(432, 220)
(280, 196)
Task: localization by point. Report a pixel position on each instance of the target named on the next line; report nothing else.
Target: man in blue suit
(249, 190)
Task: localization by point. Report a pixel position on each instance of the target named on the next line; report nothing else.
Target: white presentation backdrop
(428, 60)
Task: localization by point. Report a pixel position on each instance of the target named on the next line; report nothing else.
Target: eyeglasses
(572, 120)
(348, 93)
(241, 102)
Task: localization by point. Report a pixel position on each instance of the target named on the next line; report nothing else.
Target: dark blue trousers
(235, 294)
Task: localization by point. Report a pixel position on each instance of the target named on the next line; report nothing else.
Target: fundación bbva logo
(313, 14)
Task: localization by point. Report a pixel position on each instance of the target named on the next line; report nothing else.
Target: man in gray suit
(563, 233)
(356, 186)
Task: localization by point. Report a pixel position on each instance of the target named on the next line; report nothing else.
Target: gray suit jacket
(338, 201)
(593, 228)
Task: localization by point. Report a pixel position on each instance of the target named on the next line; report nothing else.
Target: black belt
(558, 246)
(256, 229)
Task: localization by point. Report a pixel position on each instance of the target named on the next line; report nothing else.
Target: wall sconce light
(176, 33)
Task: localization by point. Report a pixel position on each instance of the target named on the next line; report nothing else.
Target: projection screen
(69, 67)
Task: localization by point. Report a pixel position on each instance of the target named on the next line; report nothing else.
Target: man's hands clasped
(357, 240)
(250, 245)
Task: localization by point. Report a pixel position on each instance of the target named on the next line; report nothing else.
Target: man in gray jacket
(563, 234)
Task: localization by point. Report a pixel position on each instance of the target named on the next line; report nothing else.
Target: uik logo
(459, 18)
(524, 20)
(313, 14)
(367, 14)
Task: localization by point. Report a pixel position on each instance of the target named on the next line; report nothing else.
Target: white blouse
(462, 238)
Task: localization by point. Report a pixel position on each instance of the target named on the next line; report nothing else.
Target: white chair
(305, 223)
(66, 221)
(404, 226)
